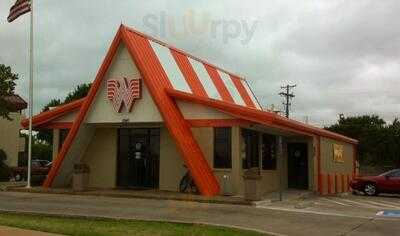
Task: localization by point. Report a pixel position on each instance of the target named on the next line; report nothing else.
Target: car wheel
(370, 189)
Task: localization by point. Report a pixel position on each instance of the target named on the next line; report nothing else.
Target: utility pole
(288, 97)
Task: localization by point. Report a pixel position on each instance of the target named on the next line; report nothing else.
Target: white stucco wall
(10, 140)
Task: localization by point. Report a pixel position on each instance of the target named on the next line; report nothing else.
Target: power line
(288, 96)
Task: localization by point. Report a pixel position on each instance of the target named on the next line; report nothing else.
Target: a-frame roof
(193, 79)
(189, 74)
(171, 74)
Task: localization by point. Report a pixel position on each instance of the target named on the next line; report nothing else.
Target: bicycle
(187, 184)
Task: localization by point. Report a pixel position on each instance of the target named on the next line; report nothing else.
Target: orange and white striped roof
(189, 74)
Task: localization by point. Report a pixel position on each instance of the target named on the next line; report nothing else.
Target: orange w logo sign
(123, 92)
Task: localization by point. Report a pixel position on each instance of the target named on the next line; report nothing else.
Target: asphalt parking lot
(345, 215)
(347, 204)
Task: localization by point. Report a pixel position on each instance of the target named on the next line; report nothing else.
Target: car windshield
(390, 172)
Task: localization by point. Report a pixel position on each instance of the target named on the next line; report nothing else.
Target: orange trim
(219, 84)
(189, 74)
(217, 122)
(336, 183)
(348, 182)
(354, 160)
(242, 91)
(321, 189)
(320, 182)
(157, 82)
(45, 117)
(342, 178)
(258, 116)
(329, 183)
(81, 115)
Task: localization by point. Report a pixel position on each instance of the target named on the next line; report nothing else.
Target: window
(268, 152)
(393, 173)
(251, 151)
(396, 174)
(222, 147)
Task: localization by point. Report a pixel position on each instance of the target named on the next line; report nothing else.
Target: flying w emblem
(123, 92)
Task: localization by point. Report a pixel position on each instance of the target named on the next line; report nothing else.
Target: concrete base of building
(289, 194)
(132, 193)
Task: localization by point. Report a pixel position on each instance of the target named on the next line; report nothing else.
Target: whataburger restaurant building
(153, 108)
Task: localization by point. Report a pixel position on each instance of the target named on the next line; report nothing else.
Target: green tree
(80, 91)
(393, 142)
(7, 86)
(379, 141)
(52, 103)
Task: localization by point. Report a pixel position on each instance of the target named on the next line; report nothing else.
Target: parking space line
(336, 202)
(390, 203)
(361, 204)
(322, 203)
(382, 204)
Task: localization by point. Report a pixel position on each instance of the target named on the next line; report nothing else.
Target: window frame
(272, 152)
(246, 162)
(224, 164)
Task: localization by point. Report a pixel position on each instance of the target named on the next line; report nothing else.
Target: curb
(132, 196)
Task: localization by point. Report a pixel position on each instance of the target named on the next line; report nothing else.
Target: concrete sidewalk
(5, 230)
(249, 217)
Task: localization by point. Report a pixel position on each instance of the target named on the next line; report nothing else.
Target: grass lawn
(95, 227)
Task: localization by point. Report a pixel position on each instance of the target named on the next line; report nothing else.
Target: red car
(388, 182)
(40, 168)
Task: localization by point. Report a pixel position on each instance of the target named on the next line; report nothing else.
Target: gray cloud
(343, 55)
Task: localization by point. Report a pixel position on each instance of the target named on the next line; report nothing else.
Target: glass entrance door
(297, 165)
(138, 157)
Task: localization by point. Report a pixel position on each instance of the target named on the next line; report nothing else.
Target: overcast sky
(343, 55)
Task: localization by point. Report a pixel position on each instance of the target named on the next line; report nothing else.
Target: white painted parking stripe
(336, 202)
(397, 204)
(361, 204)
(314, 212)
(382, 204)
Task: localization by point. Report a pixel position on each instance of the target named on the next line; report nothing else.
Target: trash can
(226, 186)
(252, 184)
(80, 177)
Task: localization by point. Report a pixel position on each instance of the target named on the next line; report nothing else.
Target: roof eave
(262, 117)
(43, 118)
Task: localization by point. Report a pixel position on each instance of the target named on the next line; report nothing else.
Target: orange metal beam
(157, 82)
